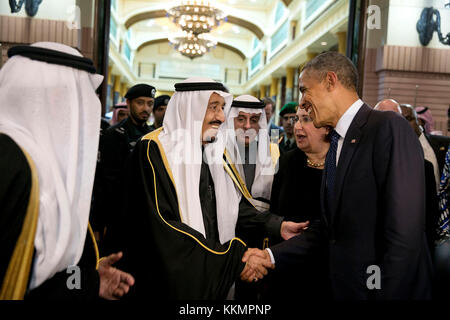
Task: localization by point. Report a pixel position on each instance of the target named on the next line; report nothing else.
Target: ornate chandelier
(192, 45)
(196, 16)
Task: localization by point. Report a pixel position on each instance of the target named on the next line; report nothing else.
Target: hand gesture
(256, 264)
(113, 282)
(290, 229)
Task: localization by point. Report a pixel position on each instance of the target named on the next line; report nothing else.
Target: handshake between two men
(258, 262)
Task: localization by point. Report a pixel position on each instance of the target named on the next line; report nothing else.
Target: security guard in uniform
(287, 139)
(115, 146)
(159, 111)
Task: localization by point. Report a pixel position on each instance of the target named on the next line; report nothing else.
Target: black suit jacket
(283, 147)
(378, 217)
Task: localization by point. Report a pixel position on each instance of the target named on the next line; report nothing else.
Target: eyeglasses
(303, 120)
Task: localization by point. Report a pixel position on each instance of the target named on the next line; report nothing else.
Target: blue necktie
(331, 168)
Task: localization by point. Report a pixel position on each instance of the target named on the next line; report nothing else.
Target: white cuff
(272, 259)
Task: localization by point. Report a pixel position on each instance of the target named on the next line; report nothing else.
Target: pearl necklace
(315, 165)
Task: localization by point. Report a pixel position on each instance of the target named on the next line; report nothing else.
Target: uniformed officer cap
(140, 90)
(290, 107)
(161, 101)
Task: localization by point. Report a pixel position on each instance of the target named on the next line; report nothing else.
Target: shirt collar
(346, 119)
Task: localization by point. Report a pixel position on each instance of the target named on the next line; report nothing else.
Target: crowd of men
(183, 208)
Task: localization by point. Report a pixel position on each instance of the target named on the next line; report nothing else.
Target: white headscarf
(181, 140)
(264, 172)
(53, 113)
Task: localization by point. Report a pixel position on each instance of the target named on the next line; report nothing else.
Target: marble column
(290, 74)
(116, 92)
(342, 41)
(262, 91)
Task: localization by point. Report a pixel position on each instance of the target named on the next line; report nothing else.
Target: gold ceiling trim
(145, 16)
(247, 25)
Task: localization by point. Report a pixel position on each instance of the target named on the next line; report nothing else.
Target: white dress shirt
(344, 123)
(341, 128)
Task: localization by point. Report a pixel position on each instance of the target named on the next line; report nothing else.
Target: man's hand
(290, 229)
(113, 282)
(256, 264)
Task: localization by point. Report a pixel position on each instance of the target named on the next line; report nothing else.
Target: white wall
(403, 17)
(49, 9)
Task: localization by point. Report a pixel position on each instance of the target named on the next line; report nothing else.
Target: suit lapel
(323, 196)
(350, 144)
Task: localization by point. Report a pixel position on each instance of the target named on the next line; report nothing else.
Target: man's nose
(247, 124)
(301, 101)
(289, 123)
(220, 116)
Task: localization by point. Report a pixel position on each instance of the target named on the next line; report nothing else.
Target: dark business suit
(377, 217)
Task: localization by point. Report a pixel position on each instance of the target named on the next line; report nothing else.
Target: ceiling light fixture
(191, 45)
(196, 16)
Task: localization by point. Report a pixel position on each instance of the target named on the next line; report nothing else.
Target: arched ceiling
(162, 13)
(246, 21)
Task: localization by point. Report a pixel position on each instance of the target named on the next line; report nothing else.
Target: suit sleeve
(403, 244)
(297, 251)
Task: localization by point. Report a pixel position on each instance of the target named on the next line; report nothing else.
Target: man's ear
(128, 101)
(331, 80)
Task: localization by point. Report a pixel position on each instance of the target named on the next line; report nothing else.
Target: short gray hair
(267, 101)
(337, 63)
